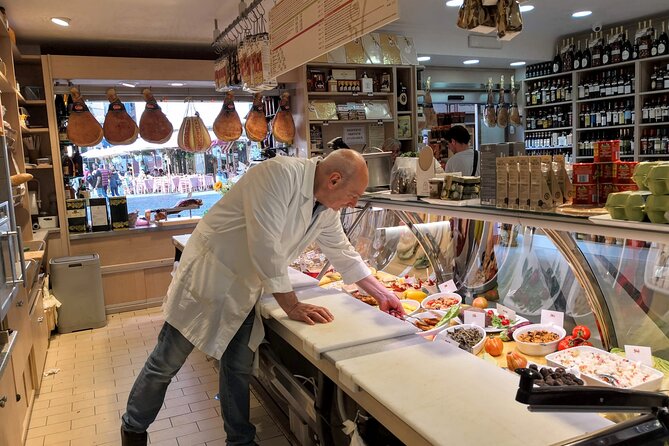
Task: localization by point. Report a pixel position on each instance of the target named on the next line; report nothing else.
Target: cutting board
(268, 303)
(354, 323)
(451, 397)
(300, 280)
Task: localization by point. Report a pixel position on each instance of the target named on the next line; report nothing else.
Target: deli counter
(397, 387)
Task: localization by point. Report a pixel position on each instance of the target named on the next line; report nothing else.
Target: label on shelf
(549, 317)
(475, 318)
(636, 353)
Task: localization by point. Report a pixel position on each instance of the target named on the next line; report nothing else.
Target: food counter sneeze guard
(621, 288)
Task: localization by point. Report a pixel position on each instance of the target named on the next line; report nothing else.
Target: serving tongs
(644, 430)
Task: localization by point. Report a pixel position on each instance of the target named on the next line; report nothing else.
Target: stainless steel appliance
(379, 165)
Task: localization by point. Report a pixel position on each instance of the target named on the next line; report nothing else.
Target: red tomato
(505, 322)
(581, 331)
(566, 343)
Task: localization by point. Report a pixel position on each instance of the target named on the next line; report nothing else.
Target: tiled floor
(82, 404)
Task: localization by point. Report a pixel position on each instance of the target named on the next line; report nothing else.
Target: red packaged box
(604, 172)
(604, 189)
(623, 171)
(583, 173)
(607, 151)
(626, 187)
(585, 194)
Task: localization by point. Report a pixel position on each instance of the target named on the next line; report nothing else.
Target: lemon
(417, 295)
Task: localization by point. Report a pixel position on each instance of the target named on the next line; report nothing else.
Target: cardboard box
(551, 179)
(584, 173)
(502, 183)
(585, 194)
(512, 181)
(424, 171)
(623, 172)
(540, 193)
(524, 183)
(563, 179)
(77, 217)
(607, 151)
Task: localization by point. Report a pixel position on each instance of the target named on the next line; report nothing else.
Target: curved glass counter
(618, 285)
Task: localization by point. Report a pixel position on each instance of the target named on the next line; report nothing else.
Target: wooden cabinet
(9, 413)
(40, 335)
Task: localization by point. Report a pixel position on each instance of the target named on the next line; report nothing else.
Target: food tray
(652, 384)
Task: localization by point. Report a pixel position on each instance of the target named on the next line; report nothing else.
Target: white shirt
(243, 246)
(462, 162)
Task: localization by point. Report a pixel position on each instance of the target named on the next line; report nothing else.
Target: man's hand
(311, 314)
(386, 299)
(300, 311)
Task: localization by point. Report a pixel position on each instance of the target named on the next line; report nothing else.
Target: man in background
(464, 158)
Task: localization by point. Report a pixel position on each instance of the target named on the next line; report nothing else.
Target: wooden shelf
(5, 86)
(606, 67)
(552, 104)
(21, 99)
(29, 131)
(347, 94)
(354, 121)
(653, 124)
(40, 167)
(555, 129)
(608, 127)
(664, 155)
(583, 157)
(34, 102)
(405, 139)
(548, 76)
(606, 98)
(648, 93)
(404, 112)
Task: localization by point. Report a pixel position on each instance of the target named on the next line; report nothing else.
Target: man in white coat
(240, 249)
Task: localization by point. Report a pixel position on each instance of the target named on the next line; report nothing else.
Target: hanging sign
(302, 30)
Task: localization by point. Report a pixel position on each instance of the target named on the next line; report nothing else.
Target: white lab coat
(242, 247)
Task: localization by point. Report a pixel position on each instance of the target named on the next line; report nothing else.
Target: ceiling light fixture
(454, 3)
(526, 8)
(128, 84)
(579, 14)
(177, 84)
(520, 63)
(423, 58)
(61, 21)
(471, 61)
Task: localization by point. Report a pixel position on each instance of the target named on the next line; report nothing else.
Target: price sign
(447, 287)
(552, 318)
(507, 312)
(640, 354)
(475, 318)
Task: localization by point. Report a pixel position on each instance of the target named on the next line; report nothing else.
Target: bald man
(240, 249)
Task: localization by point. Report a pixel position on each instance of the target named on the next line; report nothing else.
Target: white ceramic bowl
(413, 303)
(475, 349)
(538, 349)
(426, 315)
(435, 296)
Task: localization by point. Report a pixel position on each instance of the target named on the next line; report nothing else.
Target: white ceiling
(175, 23)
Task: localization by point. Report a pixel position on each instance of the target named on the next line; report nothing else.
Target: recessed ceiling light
(128, 84)
(454, 3)
(61, 21)
(423, 58)
(520, 63)
(579, 14)
(526, 8)
(177, 84)
(471, 61)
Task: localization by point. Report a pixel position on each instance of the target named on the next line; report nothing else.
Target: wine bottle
(577, 57)
(568, 62)
(585, 60)
(606, 54)
(597, 52)
(627, 50)
(653, 48)
(616, 46)
(557, 61)
(663, 42)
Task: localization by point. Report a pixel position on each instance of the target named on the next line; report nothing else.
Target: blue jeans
(102, 191)
(148, 393)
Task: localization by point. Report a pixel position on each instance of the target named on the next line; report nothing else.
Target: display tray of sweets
(601, 368)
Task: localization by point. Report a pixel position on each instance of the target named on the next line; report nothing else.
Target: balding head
(340, 179)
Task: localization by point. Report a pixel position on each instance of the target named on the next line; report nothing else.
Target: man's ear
(335, 178)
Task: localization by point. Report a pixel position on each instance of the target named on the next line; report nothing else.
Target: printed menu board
(302, 30)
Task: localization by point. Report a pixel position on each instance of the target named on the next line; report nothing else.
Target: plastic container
(535, 348)
(476, 349)
(656, 207)
(428, 315)
(593, 361)
(658, 179)
(641, 173)
(635, 206)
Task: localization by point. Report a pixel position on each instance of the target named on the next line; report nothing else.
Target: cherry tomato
(505, 322)
(581, 331)
(490, 312)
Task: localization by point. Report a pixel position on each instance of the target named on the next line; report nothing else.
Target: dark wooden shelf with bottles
(550, 148)
(652, 92)
(654, 124)
(549, 76)
(555, 129)
(606, 98)
(608, 66)
(551, 104)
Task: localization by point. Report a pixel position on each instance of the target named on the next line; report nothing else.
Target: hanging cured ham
(154, 126)
(193, 134)
(119, 127)
(256, 122)
(514, 114)
(227, 125)
(82, 127)
(502, 110)
(283, 127)
(428, 108)
(489, 115)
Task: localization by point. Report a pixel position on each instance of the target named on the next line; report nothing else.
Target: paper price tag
(640, 354)
(452, 341)
(507, 312)
(552, 317)
(475, 318)
(448, 287)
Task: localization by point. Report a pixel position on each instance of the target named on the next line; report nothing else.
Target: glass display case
(618, 283)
